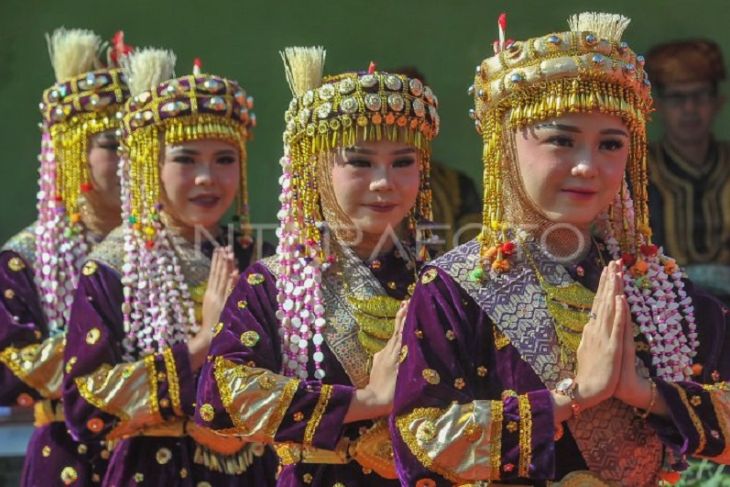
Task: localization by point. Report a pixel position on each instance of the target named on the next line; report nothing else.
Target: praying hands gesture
(601, 349)
(606, 356)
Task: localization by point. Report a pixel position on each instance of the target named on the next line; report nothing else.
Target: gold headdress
(170, 111)
(84, 101)
(584, 69)
(336, 111)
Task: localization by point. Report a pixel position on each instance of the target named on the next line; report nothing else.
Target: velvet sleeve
(452, 422)
(29, 367)
(105, 395)
(241, 391)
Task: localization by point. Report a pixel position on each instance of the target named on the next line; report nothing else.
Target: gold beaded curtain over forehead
(83, 102)
(331, 112)
(188, 108)
(585, 69)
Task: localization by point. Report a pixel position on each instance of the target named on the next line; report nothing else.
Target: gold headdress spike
(304, 67)
(147, 68)
(72, 52)
(605, 26)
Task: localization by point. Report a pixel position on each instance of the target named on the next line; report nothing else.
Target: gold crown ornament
(587, 68)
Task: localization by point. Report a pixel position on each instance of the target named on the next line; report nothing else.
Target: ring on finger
(592, 315)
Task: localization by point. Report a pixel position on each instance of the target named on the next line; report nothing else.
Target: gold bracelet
(652, 401)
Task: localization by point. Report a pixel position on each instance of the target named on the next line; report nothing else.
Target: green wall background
(241, 39)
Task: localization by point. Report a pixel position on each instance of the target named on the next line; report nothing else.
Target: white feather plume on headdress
(304, 67)
(73, 52)
(147, 68)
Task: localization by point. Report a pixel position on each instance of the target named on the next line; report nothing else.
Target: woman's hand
(376, 399)
(221, 279)
(600, 351)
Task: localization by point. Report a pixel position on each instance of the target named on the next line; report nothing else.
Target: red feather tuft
(371, 68)
(119, 48)
(502, 21)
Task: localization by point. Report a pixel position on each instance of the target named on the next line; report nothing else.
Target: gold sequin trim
(450, 335)
(218, 328)
(255, 279)
(426, 431)
(431, 376)
(403, 354)
(459, 383)
(287, 395)
(69, 365)
(717, 398)
(149, 362)
(496, 436)
(266, 381)
(16, 264)
(525, 410)
(46, 451)
(324, 398)
(298, 416)
(500, 339)
(696, 401)
(93, 335)
(173, 381)
(69, 475)
(242, 304)
(482, 371)
(696, 422)
(207, 412)
(423, 434)
(250, 338)
(89, 268)
(429, 276)
(9, 294)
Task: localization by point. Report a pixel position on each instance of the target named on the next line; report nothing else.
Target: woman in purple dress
(78, 204)
(305, 354)
(141, 321)
(561, 344)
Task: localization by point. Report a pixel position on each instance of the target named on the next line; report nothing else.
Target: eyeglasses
(698, 97)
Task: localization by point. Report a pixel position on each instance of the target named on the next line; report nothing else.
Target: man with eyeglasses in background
(689, 194)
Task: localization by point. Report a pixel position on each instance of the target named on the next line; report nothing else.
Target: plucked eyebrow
(577, 130)
(370, 152)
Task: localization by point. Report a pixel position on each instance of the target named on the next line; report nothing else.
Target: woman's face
(376, 184)
(572, 166)
(103, 165)
(200, 179)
